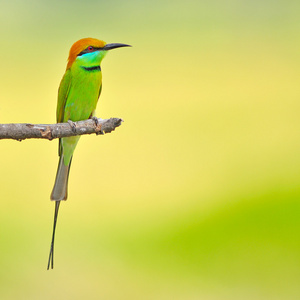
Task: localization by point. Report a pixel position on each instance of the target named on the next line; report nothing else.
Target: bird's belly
(82, 99)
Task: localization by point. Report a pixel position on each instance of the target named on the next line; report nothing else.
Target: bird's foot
(98, 125)
(73, 125)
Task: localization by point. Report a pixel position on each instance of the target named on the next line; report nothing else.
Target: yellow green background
(196, 195)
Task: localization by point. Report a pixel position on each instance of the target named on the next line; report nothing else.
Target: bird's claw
(95, 119)
(98, 125)
(73, 125)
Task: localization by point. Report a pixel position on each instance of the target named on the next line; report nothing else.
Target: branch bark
(24, 131)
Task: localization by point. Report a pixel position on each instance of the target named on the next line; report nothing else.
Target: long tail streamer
(51, 255)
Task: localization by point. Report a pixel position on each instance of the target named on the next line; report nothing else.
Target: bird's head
(89, 51)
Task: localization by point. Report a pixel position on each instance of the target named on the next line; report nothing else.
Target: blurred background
(196, 195)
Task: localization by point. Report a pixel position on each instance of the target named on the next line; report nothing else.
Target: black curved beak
(114, 45)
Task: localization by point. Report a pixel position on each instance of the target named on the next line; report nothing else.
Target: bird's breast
(83, 94)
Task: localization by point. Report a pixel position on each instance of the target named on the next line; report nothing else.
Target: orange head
(87, 45)
(80, 46)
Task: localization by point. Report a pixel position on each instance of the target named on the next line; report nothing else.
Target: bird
(78, 95)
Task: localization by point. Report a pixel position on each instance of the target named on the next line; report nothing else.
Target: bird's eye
(90, 48)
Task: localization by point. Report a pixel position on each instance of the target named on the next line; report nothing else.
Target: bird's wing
(63, 92)
(100, 91)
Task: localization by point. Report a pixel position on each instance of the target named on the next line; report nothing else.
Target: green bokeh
(196, 195)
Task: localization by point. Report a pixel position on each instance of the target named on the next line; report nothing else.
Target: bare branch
(24, 131)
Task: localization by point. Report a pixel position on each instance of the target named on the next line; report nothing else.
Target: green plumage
(78, 95)
(77, 99)
(80, 103)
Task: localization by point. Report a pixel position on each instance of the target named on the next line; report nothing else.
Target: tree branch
(24, 131)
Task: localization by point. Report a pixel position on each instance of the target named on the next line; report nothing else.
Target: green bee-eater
(78, 95)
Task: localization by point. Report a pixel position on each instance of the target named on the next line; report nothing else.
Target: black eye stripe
(89, 51)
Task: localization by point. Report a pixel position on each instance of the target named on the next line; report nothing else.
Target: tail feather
(59, 192)
(60, 189)
(51, 255)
